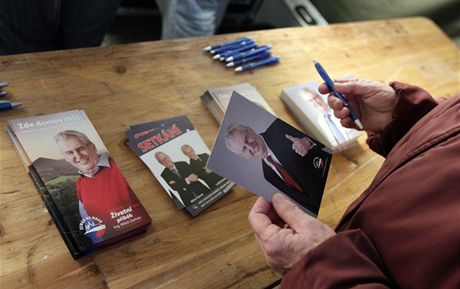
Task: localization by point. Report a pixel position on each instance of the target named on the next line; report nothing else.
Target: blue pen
(253, 65)
(215, 46)
(330, 84)
(235, 51)
(5, 104)
(253, 57)
(230, 43)
(238, 49)
(231, 47)
(3, 84)
(249, 53)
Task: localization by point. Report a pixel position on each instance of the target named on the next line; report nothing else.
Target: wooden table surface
(128, 84)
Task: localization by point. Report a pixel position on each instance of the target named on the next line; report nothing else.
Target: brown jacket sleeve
(412, 103)
(351, 253)
(350, 259)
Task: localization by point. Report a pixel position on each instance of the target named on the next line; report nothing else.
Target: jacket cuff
(412, 103)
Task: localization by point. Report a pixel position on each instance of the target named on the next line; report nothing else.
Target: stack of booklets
(317, 118)
(217, 99)
(85, 193)
(176, 155)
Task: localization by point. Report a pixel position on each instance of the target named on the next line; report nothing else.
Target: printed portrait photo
(267, 155)
(180, 168)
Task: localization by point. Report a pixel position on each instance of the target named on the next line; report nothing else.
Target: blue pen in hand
(330, 84)
(253, 65)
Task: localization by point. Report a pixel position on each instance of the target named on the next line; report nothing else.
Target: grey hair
(66, 133)
(231, 130)
(157, 153)
(185, 146)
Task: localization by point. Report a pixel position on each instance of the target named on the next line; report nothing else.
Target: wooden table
(122, 85)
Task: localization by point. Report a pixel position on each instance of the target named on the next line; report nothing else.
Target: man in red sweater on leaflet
(103, 193)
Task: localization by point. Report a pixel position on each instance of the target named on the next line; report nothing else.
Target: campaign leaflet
(176, 155)
(88, 198)
(317, 118)
(266, 155)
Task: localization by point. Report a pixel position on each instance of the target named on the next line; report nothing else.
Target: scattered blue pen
(249, 53)
(253, 57)
(215, 46)
(330, 84)
(231, 47)
(5, 104)
(235, 51)
(253, 65)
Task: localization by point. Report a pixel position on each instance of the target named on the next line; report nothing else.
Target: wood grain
(122, 85)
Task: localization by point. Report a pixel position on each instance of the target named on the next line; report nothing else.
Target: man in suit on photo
(179, 176)
(291, 162)
(198, 166)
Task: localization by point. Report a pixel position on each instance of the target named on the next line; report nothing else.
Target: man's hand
(284, 232)
(300, 145)
(372, 101)
(192, 178)
(206, 170)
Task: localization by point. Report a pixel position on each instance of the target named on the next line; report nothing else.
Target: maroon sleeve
(346, 260)
(412, 103)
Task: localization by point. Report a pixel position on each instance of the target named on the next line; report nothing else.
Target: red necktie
(284, 174)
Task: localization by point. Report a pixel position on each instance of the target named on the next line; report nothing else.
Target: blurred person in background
(190, 18)
(30, 26)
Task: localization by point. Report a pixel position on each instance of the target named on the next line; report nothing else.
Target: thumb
(290, 212)
(346, 87)
(291, 138)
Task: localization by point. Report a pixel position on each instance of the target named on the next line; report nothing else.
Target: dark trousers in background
(41, 25)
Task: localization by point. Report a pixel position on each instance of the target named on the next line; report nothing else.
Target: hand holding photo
(266, 155)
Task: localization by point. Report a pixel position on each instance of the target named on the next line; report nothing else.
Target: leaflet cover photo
(176, 155)
(89, 199)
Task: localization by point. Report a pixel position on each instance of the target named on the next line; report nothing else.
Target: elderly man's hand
(372, 101)
(284, 232)
(300, 145)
